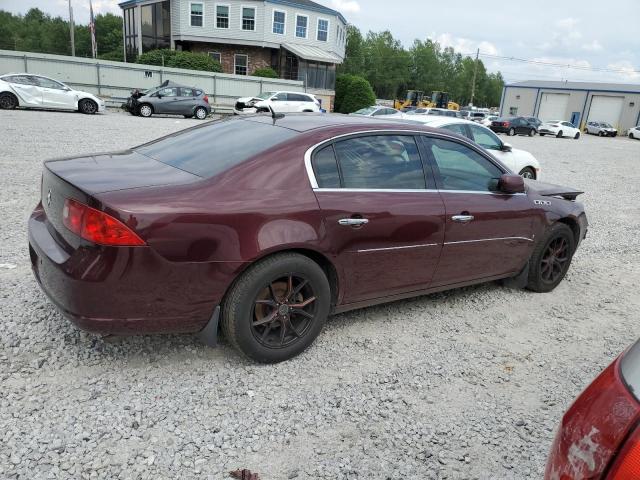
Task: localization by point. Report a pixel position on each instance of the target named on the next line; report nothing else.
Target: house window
(222, 16)
(278, 22)
(197, 14)
(248, 18)
(240, 64)
(323, 30)
(301, 26)
(216, 56)
(513, 110)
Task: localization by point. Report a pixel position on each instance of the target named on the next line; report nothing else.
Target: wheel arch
(82, 99)
(9, 92)
(572, 223)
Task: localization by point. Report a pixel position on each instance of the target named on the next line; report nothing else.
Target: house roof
(306, 4)
(309, 52)
(602, 87)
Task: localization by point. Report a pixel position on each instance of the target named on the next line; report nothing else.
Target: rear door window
(462, 168)
(380, 162)
(213, 148)
(187, 92)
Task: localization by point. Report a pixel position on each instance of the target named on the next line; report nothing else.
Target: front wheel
(528, 172)
(559, 134)
(576, 136)
(145, 111)
(631, 136)
(88, 107)
(512, 132)
(551, 258)
(277, 308)
(532, 132)
(200, 113)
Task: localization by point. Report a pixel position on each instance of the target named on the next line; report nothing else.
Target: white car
(280, 102)
(518, 161)
(379, 111)
(486, 121)
(634, 132)
(36, 91)
(602, 129)
(559, 128)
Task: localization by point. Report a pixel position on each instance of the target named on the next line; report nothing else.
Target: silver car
(602, 129)
(169, 98)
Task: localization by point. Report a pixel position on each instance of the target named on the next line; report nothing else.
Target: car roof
(304, 122)
(439, 120)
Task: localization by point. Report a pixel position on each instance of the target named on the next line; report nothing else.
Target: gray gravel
(465, 384)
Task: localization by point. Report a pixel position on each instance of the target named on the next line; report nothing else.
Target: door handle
(462, 218)
(353, 222)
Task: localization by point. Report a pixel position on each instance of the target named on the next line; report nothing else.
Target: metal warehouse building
(576, 102)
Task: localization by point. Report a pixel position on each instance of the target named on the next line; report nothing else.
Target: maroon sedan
(599, 437)
(268, 225)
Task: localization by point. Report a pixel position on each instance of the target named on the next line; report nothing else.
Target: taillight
(206, 99)
(96, 226)
(627, 464)
(505, 124)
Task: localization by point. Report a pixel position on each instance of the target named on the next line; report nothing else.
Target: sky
(582, 34)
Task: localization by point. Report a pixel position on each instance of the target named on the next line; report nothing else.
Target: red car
(599, 437)
(268, 225)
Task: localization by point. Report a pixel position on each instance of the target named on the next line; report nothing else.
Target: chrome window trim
(314, 183)
(411, 190)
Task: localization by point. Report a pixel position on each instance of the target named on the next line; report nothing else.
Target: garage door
(553, 106)
(606, 109)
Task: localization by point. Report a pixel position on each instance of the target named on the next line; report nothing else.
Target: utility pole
(475, 71)
(72, 31)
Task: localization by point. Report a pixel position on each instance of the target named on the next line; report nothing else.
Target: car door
(280, 103)
(186, 100)
(488, 234)
(167, 100)
(27, 89)
(56, 95)
(490, 141)
(383, 218)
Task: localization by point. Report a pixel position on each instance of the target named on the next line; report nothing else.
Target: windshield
(605, 125)
(265, 95)
(366, 111)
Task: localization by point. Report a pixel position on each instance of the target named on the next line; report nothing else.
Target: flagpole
(72, 31)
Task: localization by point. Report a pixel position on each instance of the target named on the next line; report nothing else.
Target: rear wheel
(277, 308)
(145, 110)
(87, 106)
(532, 132)
(200, 113)
(512, 132)
(551, 258)
(528, 172)
(559, 134)
(8, 101)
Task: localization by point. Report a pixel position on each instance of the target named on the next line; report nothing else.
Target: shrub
(115, 56)
(353, 93)
(177, 59)
(265, 72)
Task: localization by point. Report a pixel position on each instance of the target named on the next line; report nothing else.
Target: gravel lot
(465, 384)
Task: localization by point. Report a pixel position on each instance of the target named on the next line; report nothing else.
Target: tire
(600, 134)
(576, 136)
(260, 293)
(546, 270)
(200, 113)
(528, 172)
(512, 132)
(631, 136)
(542, 134)
(559, 134)
(88, 107)
(145, 110)
(8, 101)
(532, 132)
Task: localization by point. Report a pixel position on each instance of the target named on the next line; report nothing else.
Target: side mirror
(506, 147)
(511, 183)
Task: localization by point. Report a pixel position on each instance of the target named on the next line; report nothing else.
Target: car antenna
(275, 115)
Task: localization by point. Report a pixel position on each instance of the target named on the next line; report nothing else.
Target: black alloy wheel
(8, 101)
(551, 258)
(277, 307)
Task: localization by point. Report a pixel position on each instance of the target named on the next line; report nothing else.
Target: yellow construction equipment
(416, 99)
(441, 100)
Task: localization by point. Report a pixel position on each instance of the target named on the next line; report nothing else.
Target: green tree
(265, 72)
(353, 93)
(354, 53)
(386, 63)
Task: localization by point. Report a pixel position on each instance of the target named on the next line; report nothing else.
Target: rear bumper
(121, 290)
(499, 129)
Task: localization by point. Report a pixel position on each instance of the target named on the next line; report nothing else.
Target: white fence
(117, 79)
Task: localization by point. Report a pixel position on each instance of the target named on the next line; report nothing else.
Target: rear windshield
(214, 148)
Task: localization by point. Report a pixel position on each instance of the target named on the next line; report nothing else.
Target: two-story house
(299, 39)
